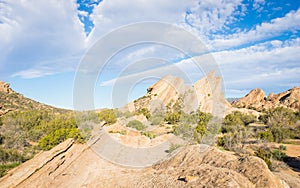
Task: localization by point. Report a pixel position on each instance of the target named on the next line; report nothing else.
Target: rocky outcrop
(77, 165)
(4, 88)
(256, 99)
(171, 93)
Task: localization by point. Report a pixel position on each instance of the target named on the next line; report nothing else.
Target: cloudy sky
(42, 43)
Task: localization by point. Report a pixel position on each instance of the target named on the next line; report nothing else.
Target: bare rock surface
(257, 99)
(170, 92)
(77, 165)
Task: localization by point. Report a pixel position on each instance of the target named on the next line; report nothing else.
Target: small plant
(156, 119)
(173, 147)
(149, 135)
(145, 112)
(282, 147)
(184, 131)
(122, 132)
(265, 135)
(173, 117)
(136, 125)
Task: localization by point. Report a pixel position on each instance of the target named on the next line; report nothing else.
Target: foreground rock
(256, 99)
(75, 165)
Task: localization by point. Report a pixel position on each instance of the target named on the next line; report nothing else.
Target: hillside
(13, 101)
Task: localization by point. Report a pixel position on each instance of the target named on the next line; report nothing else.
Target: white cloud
(210, 16)
(289, 23)
(36, 34)
(109, 15)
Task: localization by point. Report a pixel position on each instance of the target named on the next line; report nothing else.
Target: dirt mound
(75, 165)
(256, 99)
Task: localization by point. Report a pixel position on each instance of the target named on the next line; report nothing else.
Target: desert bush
(189, 118)
(266, 136)
(122, 132)
(5, 167)
(282, 147)
(173, 147)
(279, 133)
(58, 136)
(108, 115)
(156, 119)
(136, 125)
(145, 112)
(267, 154)
(173, 117)
(184, 130)
(149, 135)
(279, 116)
(239, 118)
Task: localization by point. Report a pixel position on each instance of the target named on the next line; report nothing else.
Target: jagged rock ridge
(256, 99)
(171, 92)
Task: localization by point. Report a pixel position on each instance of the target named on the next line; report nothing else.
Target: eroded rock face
(257, 99)
(4, 87)
(171, 93)
(76, 165)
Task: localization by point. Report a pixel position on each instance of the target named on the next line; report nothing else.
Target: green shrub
(149, 135)
(173, 147)
(279, 133)
(58, 136)
(265, 135)
(183, 130)
(136, 125)
(156, 119)
(122, 132)
(172, 117)
(145, 112)
(278, 155)
(108, 116)
(189, 118)
(282, 147)
(265, 154)
(5, 167)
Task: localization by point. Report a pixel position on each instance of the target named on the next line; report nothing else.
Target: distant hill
(232, 99)
(13, 101)
(256, 99)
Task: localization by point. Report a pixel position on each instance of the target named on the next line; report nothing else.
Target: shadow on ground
(293, 162)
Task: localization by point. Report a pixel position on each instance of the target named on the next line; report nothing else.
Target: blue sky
(255, 44)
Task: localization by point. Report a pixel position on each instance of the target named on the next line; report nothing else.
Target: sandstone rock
(256, 99)
(76, 165)
(5, 88)
(171, 92)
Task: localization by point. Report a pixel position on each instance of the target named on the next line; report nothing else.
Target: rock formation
(4, 88)
(171, 93)
(77, 165)
(256, 99)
